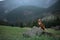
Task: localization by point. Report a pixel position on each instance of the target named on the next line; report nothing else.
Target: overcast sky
(12, 4)
(1, 0)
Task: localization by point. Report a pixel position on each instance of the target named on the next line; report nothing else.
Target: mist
(12, 4)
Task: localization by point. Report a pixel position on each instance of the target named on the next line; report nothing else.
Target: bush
(51, 21)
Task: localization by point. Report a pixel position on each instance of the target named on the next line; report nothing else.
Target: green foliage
(21, 25)
(3, 22)
(51, 21)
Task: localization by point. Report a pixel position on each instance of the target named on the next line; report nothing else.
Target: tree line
(47, 23)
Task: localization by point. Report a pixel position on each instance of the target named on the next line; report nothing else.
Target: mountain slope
(54, 7)
(25, 13)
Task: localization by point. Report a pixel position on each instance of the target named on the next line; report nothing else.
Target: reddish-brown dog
(41, 24)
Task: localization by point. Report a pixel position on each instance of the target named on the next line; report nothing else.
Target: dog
(41, 24)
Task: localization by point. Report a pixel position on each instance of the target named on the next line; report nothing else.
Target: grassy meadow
(15, 33)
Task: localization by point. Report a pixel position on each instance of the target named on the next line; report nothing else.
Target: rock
(35, 31)
(56, 27)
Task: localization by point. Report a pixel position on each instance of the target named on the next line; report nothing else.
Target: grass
(53, 31)
(15, 33)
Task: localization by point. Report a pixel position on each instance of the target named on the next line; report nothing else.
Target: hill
(25, 13)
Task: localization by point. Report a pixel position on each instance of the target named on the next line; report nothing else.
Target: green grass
(15, 33)
(53, 31)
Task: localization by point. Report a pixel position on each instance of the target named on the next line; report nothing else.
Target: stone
(56, 27)
(35, 31)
